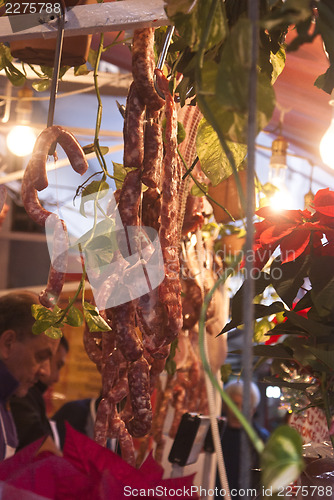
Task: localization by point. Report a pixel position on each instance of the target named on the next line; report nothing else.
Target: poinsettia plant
(294, 254)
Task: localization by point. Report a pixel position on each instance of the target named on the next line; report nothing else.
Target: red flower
(294, 230)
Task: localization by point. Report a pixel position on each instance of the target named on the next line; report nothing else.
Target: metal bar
(88, 19)
(248, 308)
(165, 47)
(56, 68)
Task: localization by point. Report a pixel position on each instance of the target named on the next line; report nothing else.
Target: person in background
(80, 414)
(29, 412)
(231, 438)
(24, 358)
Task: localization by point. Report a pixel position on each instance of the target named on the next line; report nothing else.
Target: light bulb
(281, 200)
(21, 140)
(327, 142)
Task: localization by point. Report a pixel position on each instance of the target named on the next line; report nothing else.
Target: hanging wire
(56, 65)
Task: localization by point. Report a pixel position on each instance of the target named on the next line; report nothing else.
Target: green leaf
(278, 62)
(90, 148)
(297, 386)
(234, 66)
(225, 372)
(41, 85)
(312, 327)
(96, 190)
(261, 328)
(214, 161)
(41, 326)
(95, 323)
(281, 460)
(81, 70)
(120, 173)
(92, 55)
(15, 76)
(288, 278)
(325, 355)
(74, 317)
(278, 351)
(199, 189)
(191, 23)
(54, 333)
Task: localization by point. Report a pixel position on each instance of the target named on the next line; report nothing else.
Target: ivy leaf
(214, 161)
(120, 173)
(281, 459)
(81, 70)
(14, 75)
(74, 317)
(41, 85)
(94, 321)
(93, 191)
(54, 332)
(89, 148)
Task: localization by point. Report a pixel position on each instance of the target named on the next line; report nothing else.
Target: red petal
(293, 245)
(324, 202)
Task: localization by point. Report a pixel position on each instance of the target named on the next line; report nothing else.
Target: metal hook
(56, 66)
(163, 55)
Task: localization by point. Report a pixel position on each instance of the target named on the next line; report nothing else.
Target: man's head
(26, 356)
(235, 390)
(57, 362)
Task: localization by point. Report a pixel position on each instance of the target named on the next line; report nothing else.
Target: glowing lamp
(21, 140)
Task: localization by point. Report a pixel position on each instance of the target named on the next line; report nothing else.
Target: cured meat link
(30, 201)
(153, 152)
(139, 387)
(133, 130)
(101, 424)
(143, 65)
(170, 288)
(123, 324)
(49, 136)
(120, 432)
(93, 349)
(49, 296)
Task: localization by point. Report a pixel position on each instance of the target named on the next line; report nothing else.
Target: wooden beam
(87, 19)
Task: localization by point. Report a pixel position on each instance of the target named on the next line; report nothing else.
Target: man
(24, 358)
(29, 412)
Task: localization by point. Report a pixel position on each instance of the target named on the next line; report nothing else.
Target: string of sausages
(35, 179)
(143, 328)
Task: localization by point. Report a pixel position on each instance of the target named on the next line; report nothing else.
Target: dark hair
(64, 343)
(15, 312)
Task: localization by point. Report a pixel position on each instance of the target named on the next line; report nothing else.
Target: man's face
(29, 359)
(56, 364)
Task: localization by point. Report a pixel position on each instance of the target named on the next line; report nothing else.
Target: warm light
(327, 142)
(281, 200)
(21, 140)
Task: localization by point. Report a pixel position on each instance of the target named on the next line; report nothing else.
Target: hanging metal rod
(87, 19)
